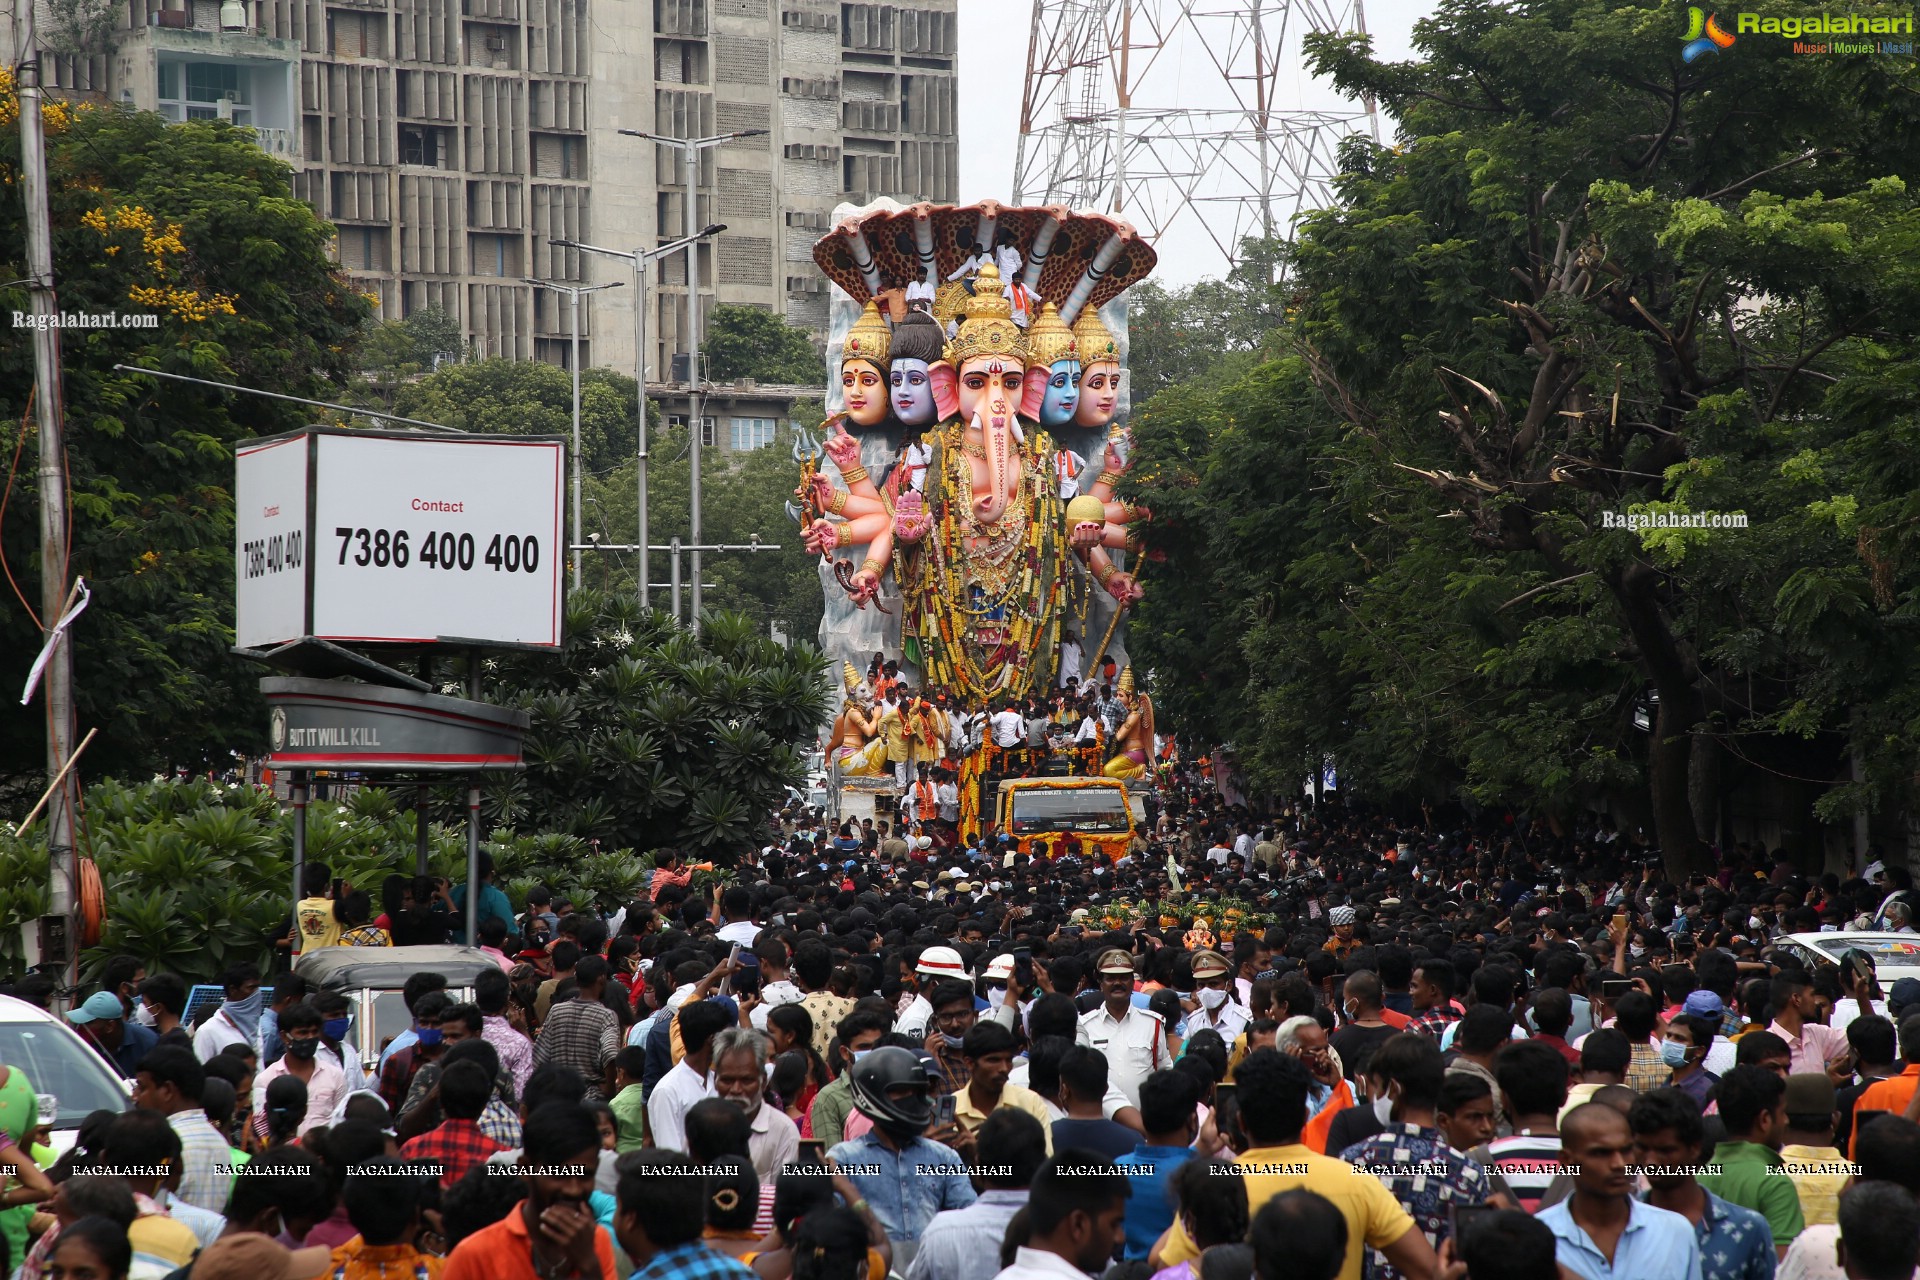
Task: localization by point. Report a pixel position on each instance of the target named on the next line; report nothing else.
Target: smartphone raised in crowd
(943, 1111)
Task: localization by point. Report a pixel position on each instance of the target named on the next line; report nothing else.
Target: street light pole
(640, 260)
(674, 548)
(573, 293)
(690, 149)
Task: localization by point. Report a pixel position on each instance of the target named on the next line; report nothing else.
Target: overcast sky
(993, 56)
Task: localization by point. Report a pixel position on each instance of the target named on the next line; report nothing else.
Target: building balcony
(243, 44)
(278, 142)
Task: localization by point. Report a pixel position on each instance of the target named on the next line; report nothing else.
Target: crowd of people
(1481, 1048)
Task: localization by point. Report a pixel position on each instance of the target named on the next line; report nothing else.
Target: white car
(1894, 955)
(72, 1080)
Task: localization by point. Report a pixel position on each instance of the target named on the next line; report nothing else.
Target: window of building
(709, 433)
(193, 90)
(752, 433)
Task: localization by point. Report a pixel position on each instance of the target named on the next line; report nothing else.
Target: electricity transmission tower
(1100, 127)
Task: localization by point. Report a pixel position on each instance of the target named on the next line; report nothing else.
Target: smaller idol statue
(857, 747)
(1135, 738)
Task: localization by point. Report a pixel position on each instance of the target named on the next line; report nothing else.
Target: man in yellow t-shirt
(1818, 1169)
(314, 923)
(988, 1053)
(1272, 1090)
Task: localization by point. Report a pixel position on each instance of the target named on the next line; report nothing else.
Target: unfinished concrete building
(451, 141)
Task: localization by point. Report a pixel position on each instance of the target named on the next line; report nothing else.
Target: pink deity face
(987, 381)
(1099, 394)
(865, 390)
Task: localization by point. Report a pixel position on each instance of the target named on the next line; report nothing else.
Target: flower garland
(1029, 582)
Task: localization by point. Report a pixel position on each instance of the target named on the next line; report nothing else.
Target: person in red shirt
(457, 1144)
(552, 1232)
(1552, 1017)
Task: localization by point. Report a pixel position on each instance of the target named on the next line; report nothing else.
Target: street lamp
(690, 149)
(573, 293)
(640, 260)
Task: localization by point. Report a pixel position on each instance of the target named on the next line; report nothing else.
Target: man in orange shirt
(383, 1203)
(1894, 1093)
(552, 1232)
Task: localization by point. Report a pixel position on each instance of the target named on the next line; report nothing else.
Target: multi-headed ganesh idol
(993, 526)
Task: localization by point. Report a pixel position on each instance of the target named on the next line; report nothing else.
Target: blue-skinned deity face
(911, 391)
(1062, 398)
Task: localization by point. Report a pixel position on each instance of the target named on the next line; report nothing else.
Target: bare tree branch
(1545, 586)
(1809, 154)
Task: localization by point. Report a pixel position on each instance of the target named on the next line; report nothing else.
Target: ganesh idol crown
(968, 523)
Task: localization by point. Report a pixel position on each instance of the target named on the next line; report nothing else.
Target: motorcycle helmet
(875, 1079)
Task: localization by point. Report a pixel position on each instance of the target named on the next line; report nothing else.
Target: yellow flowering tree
(193, 230)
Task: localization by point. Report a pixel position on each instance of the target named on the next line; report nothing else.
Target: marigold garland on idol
(1000, 347)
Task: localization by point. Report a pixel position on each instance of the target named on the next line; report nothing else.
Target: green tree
(530, 397)
(195, 223)
(196, 873)
(644, 734)
(1178, 334)
(1537, 313)
(743, 498)
(395, 351)
(747, 342)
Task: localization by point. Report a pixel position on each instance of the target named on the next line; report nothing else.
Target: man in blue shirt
(904, 1177)
(1168, 1102)
(1735, 1243)
(1603, 1233)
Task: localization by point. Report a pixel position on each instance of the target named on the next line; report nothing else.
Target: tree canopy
(747, 342)
(196, 224)
(645, 735)
(531, 397)
(1580, 290)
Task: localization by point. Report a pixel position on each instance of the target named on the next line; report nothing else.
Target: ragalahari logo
(1704, 34)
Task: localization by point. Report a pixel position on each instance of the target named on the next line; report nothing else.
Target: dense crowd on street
(1463, 1046)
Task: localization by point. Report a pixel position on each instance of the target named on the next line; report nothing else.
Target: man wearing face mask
(398, 1071)
(326, 1083)
(740, 1077)
(994, 984)
(1134, 1040)
(1364, 1030)
(336, 1046)
(238, 1019)
(953, 1017)
(1213, 1005)
(857, 1033)
(1410, 1155)
(162, 999)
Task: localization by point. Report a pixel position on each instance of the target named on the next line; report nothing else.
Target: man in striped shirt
(1533, 1078)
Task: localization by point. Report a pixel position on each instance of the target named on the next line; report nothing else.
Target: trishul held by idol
(979, 361)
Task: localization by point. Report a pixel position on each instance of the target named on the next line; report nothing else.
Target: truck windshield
(1069, 809)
